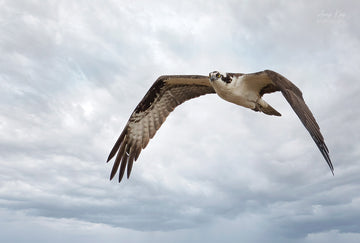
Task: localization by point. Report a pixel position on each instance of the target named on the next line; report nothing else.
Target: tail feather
(264, 107)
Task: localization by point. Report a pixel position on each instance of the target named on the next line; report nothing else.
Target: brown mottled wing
(164, 95)
(294, 96)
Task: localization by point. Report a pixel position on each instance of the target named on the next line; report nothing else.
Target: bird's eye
(218, 75)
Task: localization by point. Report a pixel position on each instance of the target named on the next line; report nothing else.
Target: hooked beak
(212, 77)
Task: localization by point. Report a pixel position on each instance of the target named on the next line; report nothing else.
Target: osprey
(169, 91)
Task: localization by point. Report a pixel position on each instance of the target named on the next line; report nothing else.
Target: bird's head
(219, 76)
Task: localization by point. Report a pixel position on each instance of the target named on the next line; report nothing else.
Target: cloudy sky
(71, 72)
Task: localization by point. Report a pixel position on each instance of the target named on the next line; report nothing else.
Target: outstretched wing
(164, 95)
(269, 81)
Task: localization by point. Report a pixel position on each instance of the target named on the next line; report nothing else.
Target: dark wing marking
(294, 96)
(163, 96)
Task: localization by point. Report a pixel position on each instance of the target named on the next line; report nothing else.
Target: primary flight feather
(172, 90)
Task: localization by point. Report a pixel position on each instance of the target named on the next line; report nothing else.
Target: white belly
(236, 92)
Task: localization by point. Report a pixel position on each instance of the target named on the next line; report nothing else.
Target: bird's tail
(264, 107)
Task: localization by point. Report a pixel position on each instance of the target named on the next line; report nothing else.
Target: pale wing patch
(256, 81)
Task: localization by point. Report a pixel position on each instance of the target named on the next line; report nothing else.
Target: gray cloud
(71, 74)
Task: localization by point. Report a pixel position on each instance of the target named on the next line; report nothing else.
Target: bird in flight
(169, 91)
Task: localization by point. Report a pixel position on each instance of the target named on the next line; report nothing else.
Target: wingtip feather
(118, 143)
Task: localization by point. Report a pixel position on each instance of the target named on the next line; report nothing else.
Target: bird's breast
(236, 92)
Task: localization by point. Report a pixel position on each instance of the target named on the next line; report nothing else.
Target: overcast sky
(71, 73)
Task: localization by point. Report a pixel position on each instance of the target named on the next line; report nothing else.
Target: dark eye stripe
(226, 79)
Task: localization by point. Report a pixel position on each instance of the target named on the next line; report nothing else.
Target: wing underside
(164, 95)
